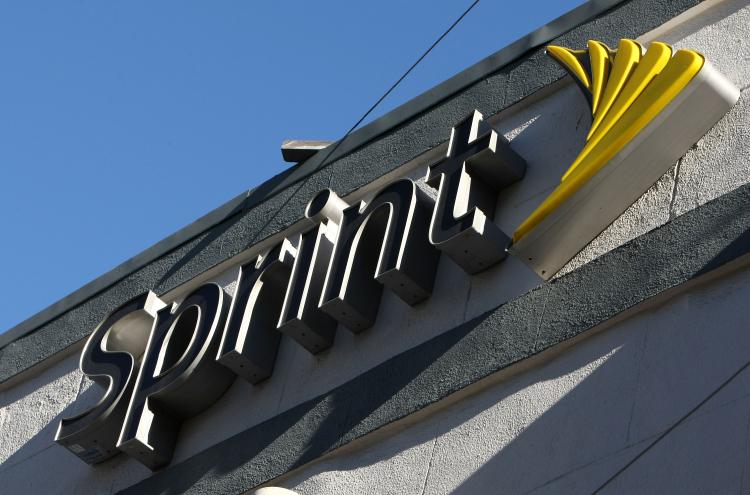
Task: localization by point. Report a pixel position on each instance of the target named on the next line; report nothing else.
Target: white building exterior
(499, 382)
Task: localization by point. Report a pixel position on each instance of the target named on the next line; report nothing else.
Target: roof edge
(289, 177)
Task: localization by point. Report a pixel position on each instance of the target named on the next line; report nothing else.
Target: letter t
(479, 163)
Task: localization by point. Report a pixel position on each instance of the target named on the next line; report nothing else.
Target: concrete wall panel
(569, 424)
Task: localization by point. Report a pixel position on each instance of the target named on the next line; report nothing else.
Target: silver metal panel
(575, 223)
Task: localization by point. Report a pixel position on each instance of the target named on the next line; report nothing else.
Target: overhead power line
(671, 428)
(394, 85)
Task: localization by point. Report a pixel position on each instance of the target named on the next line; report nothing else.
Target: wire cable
(671, 428)
(390, 90)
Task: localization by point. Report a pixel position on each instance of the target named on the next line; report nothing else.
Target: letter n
(384, 242)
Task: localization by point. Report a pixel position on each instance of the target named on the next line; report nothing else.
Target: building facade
(622, 370)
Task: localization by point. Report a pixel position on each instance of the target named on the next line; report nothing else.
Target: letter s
(109, 359)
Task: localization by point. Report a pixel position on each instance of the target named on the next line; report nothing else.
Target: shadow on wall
(31, 405)
(569, 425)
(37, 464)
(323, 436)
(666, 361)
(509, 438)
(323, 423)
(564, 426)
(555, 428)
(231, 219)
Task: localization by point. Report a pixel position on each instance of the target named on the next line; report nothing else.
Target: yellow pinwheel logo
(648, 106)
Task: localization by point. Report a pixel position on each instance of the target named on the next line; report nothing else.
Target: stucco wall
(571, 420)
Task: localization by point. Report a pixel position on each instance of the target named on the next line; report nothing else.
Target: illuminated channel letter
(479, 163)
(251, 341)
(383, 242)
(109, 358)
(179, 376)
(648, 106)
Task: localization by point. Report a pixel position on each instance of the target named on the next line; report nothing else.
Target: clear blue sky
(121, 122)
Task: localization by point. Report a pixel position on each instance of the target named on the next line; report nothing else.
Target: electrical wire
(383, 97)
(671, 428)
(405, 74)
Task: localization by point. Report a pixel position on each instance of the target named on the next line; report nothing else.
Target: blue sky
(121, 122)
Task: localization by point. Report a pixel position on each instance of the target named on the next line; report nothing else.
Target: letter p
(179, 376)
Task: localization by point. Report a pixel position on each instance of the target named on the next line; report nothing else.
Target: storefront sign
(647, 109)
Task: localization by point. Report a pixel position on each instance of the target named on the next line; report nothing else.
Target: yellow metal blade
(627, 57)
(661, 90)
(656, 58)
(600, 65)
(571, 60)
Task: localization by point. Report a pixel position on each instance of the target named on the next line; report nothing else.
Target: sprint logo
(648, 106)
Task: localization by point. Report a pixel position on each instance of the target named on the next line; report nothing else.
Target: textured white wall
(481, 436)
(566, 425)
